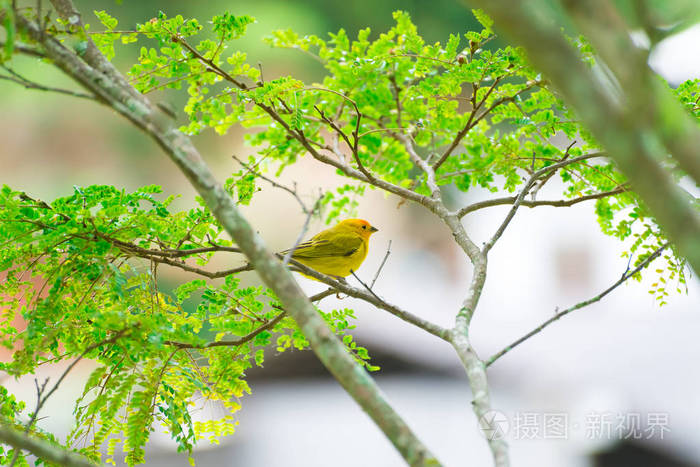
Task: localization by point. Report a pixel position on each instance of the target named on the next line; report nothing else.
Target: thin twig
(347, 289)
(17, 78)
(336, 137)
(251, 335)
(211, 66)
(291, 191)
(381, 266)
(41, 399)
(422, 164)
(356, 131)
(343, 167)
(352, 145)
(468, 126)
(516, 204)
(531, 204)
(542, 182)
(546, 159)
(25, 49)
(202, 272)
(473, 119)
(521, 196)
(557, 165)
(166, 252)
(262, 78)
(234, 342)
(365, 285)
(157, 69)
(379, 130)
(626, 275)
(302, 233)
(169, 256)
(397, 99)
(167, 83)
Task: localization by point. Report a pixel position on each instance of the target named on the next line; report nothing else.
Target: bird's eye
(364, 227)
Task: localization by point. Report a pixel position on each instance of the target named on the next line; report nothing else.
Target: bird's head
(359, 226)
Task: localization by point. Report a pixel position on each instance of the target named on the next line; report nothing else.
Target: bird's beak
(373, 229)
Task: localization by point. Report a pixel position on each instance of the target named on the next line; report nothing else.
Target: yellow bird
(338, 250)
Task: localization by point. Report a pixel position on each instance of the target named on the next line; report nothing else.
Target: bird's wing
(319, 247)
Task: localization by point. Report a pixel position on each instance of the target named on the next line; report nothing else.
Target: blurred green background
(81, 143)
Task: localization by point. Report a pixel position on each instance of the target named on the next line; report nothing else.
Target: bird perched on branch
(337, 251)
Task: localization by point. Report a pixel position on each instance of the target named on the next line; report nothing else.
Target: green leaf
(483, 19)
(228, 26)
(108, 21)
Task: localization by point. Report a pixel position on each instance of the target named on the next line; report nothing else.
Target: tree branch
(459, 338)
(308, 145)
(381, 266)
(42, 449)
(166, 252)
(529, 85)
(353, 173)
(42, 398)
(548, 159)
(533, 204)
(473, 120)
(481, 403)
(25, 50)
(291, 191)
(199, 271)
(468, 126)
(352, 145)
(354, 292)
(511, 199)
(516, 204)
(358, 118)
(633, 131)
(251, 335)
(521, 196)
(549, 176)
(92, 56)
(17, 78)
(169, 255)
(422, 164)
(609, 34)
(559, 315)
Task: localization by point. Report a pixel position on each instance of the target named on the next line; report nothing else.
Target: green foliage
(508, 112)
(10, 409)
(83, 274)
(344, 201)
(688, 94)
(9, 25)
(105, 41)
